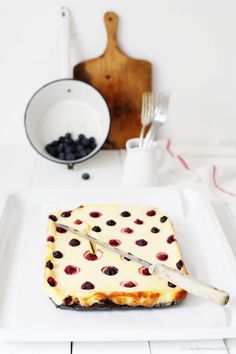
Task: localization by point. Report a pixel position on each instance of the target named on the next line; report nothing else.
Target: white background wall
(191, 43)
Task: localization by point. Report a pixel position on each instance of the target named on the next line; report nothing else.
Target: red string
(186, 166)
(181, 159)
(217, 185)
(168, 148)
(184, 163)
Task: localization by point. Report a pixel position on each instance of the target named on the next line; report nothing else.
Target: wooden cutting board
(122, 81)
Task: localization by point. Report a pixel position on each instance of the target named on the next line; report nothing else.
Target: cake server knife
(182, 280)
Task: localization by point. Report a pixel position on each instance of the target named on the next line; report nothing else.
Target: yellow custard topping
(75, 276)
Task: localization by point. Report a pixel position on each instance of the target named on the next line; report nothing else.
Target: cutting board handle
(111, 23)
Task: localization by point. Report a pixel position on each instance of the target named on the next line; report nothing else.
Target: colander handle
(66, 70)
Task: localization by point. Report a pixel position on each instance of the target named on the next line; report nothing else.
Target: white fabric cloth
(212, 166)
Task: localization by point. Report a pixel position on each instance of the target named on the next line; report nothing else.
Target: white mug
(140, 167)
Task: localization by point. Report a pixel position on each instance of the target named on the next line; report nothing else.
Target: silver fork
(146, 114)
(160, 116)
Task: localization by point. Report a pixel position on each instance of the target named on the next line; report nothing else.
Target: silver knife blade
(106, 245)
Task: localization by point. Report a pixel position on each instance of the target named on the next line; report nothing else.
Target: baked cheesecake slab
(77, 278)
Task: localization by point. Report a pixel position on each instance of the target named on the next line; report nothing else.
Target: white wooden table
(22, 168)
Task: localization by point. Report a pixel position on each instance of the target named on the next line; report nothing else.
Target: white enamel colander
(66, 105)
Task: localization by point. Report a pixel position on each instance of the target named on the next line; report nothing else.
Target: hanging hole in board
(69, 90)
(110, 19)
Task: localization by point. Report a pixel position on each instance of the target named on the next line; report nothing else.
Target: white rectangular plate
(27, 314)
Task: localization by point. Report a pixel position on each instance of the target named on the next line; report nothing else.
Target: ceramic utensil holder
(140, 168)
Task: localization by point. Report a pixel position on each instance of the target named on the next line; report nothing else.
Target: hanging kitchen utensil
(122, 81)
(66, 105)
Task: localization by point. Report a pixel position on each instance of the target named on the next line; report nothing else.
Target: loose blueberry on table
(66, 148)
(85, 176)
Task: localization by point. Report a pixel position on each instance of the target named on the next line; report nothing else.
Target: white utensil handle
(190, 284)
(151, 134)
(149, 137)
(65, 43)
(141, 136)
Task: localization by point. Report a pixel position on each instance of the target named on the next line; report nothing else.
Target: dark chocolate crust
(109, 305)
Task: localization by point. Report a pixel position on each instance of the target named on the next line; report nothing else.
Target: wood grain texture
(121, 80)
